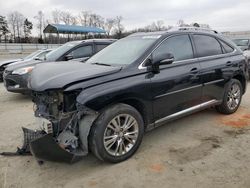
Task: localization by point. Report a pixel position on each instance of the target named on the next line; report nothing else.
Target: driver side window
(180, 46)
(84, 51)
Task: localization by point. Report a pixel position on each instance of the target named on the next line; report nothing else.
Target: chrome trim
(173, 92)
(216, 56)
(202, 105)
(213, 82)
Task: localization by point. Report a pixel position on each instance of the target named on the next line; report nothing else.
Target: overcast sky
(222, 15)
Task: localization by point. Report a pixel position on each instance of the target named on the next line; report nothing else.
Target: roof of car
(95, 40)
(177, 30)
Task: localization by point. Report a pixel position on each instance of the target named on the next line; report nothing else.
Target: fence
(24, 47)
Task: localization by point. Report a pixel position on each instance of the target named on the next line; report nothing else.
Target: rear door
(216, 65)
(178, 86)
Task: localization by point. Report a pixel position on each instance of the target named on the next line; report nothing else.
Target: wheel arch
(242, 80)
(139, 106)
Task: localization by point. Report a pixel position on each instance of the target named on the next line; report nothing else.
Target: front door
(178, 86)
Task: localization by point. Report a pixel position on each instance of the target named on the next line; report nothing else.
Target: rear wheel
(232, 97)
(117, 133)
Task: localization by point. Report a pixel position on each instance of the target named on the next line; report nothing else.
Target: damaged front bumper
(65, 147)
(46, 148)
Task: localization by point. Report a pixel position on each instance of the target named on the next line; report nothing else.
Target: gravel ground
(202, 150)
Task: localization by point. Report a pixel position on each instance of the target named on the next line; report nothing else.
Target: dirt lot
(202, 150)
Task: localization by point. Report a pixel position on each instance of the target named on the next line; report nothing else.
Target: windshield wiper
(104, 64)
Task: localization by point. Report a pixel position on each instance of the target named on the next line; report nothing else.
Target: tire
(233, 93)
(105, 137)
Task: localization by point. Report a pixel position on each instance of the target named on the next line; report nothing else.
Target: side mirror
(68, 57)
(163, 59)
(154, 63)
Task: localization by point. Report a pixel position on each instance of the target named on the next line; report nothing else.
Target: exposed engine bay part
(70, 145)
(67, 139)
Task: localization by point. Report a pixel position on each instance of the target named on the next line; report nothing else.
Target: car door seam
(173, 92)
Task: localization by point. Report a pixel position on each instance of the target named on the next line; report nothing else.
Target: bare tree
(109, 25)
(159, 25)
(40, 22)
(181, 23)
(19, 25)
(56, 16)
(68, 18)
(83, 18)
(119, 28)
(12, 23)
(91, 19)
(16, 21)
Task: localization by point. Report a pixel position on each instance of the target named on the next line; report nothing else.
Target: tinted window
(54, 55)
(207, 46)
(226, 47)
(84, 51)
(179, 46)
(42, 55)
(99, 47)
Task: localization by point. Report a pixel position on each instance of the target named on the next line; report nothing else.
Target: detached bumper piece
(29, 136)
(46, 148)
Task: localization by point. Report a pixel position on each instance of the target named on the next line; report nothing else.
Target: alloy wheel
(121, 134)
(233, 97)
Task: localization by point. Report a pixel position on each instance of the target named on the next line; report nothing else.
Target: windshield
(124, 51)
(58, 52)
(241, 42)
(32, 55)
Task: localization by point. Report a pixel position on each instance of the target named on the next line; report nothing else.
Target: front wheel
(232, 97)
(117, 133)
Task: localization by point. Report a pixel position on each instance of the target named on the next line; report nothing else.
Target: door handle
(229, 63)
(194, 70)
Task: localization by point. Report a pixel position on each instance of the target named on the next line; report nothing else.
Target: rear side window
(99, 47)
(42, 55)
(207, 46)
(84, 51)
(226, 47)
(180, 46)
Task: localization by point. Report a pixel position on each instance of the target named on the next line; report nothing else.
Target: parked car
(39, 54)
(16, 75)
(134, 85)
(244, 45)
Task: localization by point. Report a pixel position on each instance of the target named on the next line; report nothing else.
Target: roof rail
(189, 28)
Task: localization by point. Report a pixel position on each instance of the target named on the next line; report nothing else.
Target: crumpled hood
(22, 64)
(56, 75)
(6, 62)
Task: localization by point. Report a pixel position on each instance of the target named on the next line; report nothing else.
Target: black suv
(134, 85)
(16, 75)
